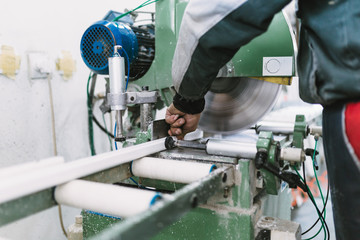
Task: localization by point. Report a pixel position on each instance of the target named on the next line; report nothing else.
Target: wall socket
(39, 65)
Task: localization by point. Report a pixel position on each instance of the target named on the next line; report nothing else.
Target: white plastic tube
(231, 149)
(24, 168)
(293, 155)
(170, 170)
(105, 198)
(24, 184)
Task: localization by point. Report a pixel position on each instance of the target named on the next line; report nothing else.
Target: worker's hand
(181, 123)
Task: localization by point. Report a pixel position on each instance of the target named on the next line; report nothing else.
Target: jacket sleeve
(210, 34)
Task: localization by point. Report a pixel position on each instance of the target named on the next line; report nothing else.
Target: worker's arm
(210, 34)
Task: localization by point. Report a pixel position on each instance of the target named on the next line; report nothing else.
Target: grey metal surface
(119, 126)
(141, 97)
(281, 229)
(159, 129)
(145, 116)
(195, 155)
(233, 104)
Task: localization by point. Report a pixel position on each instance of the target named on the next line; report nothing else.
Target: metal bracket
(300, 131)
(126, 98)
(278, 228)
(266, 146)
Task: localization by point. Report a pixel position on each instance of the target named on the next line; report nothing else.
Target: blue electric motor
(97, 45)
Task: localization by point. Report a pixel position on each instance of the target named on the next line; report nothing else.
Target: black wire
(322, 212)
(101, 127)
(314, 203)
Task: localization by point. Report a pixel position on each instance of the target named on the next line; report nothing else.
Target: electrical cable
(139, 185)
(313, 201)
(148, 2)
(317, 209)
(52, 115)
(90, 113)
(102, 214)
(61, 221)
(318, 184)
(326, 229)
(114, 136)
(111, 148)
(102, 128)
(55, 145)
(322, 212)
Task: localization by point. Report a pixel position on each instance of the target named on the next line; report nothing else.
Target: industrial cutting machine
(230, 181)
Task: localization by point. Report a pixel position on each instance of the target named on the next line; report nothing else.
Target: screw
(226, 192)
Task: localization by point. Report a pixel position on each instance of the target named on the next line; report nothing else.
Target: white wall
(25, 118)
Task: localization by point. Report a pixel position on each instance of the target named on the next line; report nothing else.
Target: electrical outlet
(39, 65)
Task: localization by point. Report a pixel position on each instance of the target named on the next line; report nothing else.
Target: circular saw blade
(233, 104)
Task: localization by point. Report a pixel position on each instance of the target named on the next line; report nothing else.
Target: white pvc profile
(231, 149)
(170, 170)
(8, 172)
(24, 184)
(105, 198)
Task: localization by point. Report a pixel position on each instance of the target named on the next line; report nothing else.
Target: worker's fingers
(170, 118)
(175, 131)
(178, 123)
(172, 114)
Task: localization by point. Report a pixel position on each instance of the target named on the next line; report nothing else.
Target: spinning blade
(233, 104)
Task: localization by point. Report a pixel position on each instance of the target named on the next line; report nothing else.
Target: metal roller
(233, 104)
(231, 149)
(170, 170)
(105, 198)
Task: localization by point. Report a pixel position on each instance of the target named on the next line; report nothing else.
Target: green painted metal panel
(94, 224)
(159, 75)
(300, 129)
(202, 223)
(276, 42)
(247, 62)
(241, 192)
(26, 206)
(266, 142)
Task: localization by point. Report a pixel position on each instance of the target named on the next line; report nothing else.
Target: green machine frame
(236, 209)
(212, 208)
(248, 62)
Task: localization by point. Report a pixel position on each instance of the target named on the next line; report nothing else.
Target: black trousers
(344, 174)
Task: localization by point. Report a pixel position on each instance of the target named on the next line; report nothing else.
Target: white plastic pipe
(170, 170)
(293, 155)
(25, 184)
(276, 127)
(105, 198)
(24, 168)
(316, 130)
(231, 149)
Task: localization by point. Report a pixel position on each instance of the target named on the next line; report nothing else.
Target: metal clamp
(123, 99)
